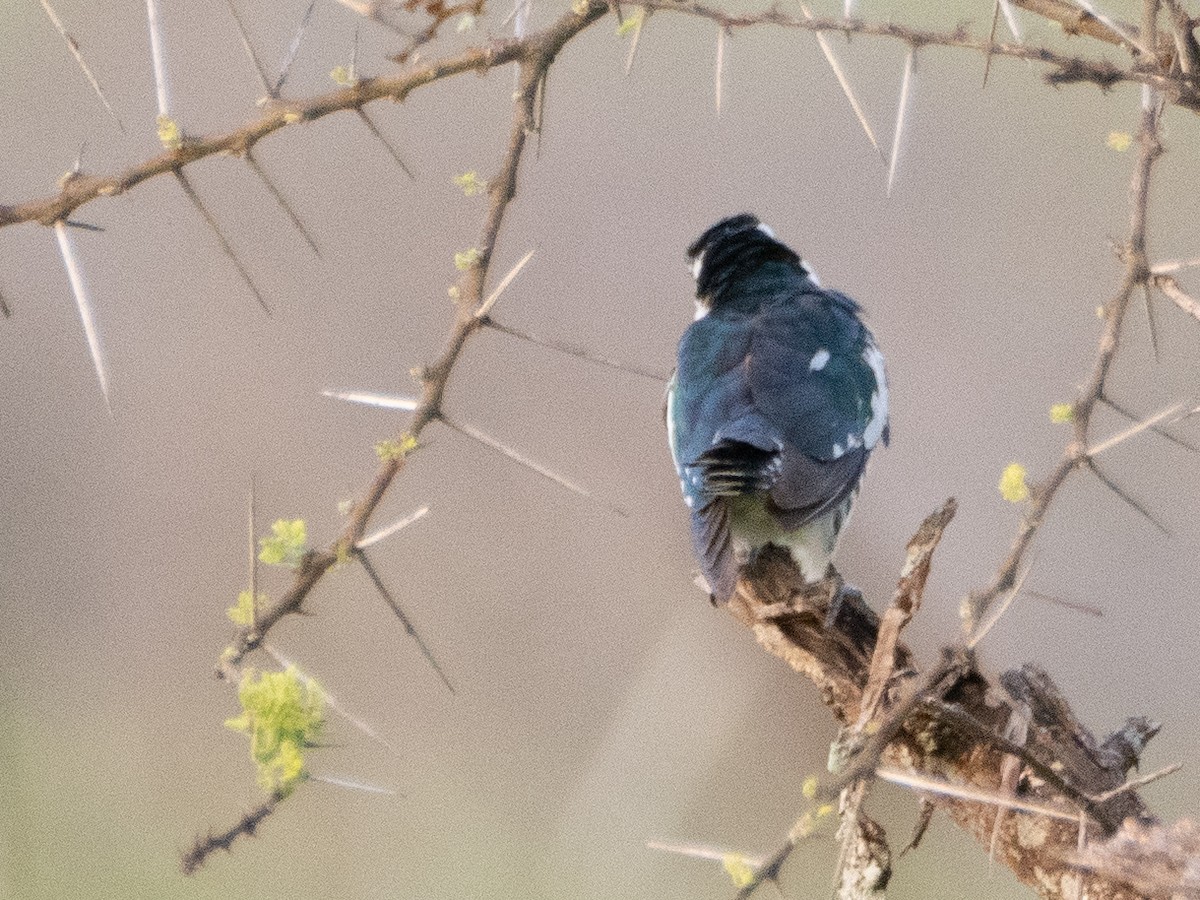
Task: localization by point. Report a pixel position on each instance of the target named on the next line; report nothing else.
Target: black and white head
(730, 249)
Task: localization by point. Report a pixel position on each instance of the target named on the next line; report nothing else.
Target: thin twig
(246, 826)
(1075, 454)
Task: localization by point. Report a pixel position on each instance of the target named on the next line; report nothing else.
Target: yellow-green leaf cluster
(286, 545)
(283, 714)
(1013, 486)
(1119, 141)
(396, 449)
(470, 183)
(242, 613)
(343, 76)
(467, 259)
(1062, 413)
(168, 132)
(631, 22)
(738, 868)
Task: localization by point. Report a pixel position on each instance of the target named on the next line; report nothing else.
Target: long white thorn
(521, 459)
(75, 276)
(286, 66)
(703, 851)
(376, 536)
(910, 64)
(840, 74)
(1110, 23)
(722, 35)
(366, 398)
(1010, 19)
(353, 785)
(73, 47)
(962, 792)
(1125, 435)
(159, 57)
(486, 306)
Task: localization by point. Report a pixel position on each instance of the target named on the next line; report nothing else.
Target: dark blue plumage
(778, 399)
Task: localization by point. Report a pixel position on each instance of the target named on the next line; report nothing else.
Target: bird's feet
(839, 593)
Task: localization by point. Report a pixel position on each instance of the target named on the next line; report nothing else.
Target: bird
(778, 398)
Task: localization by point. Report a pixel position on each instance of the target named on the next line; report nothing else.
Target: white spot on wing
(766, 229)
(697, 264)
(702, 310)
(879, 397)
(838, 451)
(812, 276)
(820, 358)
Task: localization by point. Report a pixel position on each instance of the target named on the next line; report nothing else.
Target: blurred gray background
(602, 703)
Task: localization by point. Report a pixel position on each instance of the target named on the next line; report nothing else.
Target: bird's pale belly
(811, 545)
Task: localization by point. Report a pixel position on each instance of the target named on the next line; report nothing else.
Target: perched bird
(779, 397)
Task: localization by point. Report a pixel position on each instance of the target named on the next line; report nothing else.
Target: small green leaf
(470, 183)
(286, 545)
(242, 613)
(631, 22)
(466, 22)
(1119, 141)
(396, 449)
(283, 713)
(1013, 486)
(1062, 413)
(738, 868)
(467, 259)
(341, 75)
(168, 132)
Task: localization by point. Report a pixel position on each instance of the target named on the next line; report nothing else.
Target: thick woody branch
(957, 739)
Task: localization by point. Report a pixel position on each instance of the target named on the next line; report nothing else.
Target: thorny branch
(1165, 68)
(1078, 453)
(534, 55)
(1176, 84)
(947, 726)
(537, 53)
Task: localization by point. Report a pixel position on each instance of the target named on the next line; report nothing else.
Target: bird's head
(730, 249)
